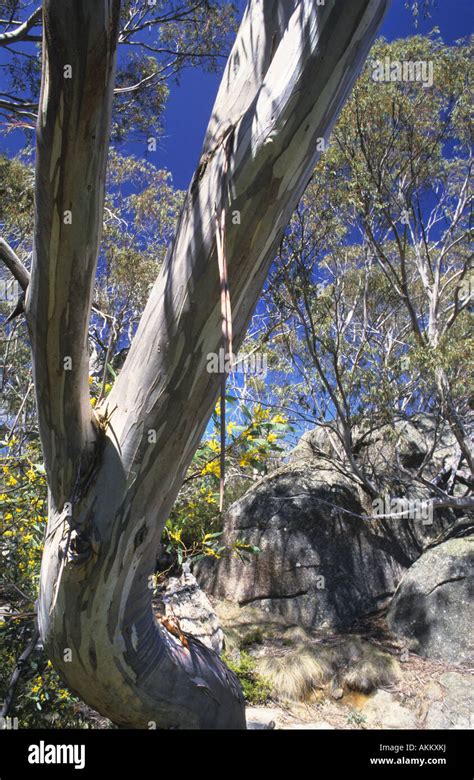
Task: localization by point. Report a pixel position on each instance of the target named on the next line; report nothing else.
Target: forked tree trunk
(112, 484)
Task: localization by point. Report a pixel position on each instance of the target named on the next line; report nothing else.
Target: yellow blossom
(212, 468)
(37, 686)
(212, 553)
(213, 445)
(260, 413)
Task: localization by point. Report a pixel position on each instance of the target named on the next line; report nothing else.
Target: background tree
(157, 41)
(368, 302)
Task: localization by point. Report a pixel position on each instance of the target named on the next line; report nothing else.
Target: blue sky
(190, 104)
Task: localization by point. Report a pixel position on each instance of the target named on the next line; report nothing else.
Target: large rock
(451, 704)
(432, 608)
(409, 443)
(385, 712)
(320, 563)
(390, 453)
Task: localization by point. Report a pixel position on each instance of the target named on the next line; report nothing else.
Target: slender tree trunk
(114, 477)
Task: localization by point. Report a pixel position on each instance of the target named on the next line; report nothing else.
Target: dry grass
(296, 674)
(350, 664)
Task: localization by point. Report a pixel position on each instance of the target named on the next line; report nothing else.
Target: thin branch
(22, 406)
(14, 264)
(21, 33)
(135, 87)
(20, 665)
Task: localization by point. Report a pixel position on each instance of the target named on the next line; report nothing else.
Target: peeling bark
(288, 75)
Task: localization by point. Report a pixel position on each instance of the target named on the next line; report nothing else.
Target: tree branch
(72, 144)
(14, 264)
(21, 33)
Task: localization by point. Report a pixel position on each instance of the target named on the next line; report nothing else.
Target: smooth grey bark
(14, 264)
(114, 475)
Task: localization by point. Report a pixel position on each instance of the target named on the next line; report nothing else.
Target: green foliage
(356, 719)
(366, 303)
(254, 637)
(157, 42)
(141, 211)
(420, 8)
(193, 529)
(256, 689)
(139, 111)
(23, 502)
(40, 698)
(16, 200)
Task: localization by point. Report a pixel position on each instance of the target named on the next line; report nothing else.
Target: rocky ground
(426, 694)
(423, 694)
(429, 696)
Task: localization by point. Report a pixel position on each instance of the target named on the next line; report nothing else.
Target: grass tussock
(351, 665)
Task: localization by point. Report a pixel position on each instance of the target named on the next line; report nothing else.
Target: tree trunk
(114, 477)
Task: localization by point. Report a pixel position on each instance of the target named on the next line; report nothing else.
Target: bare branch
(22, 32)
(14, 264)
